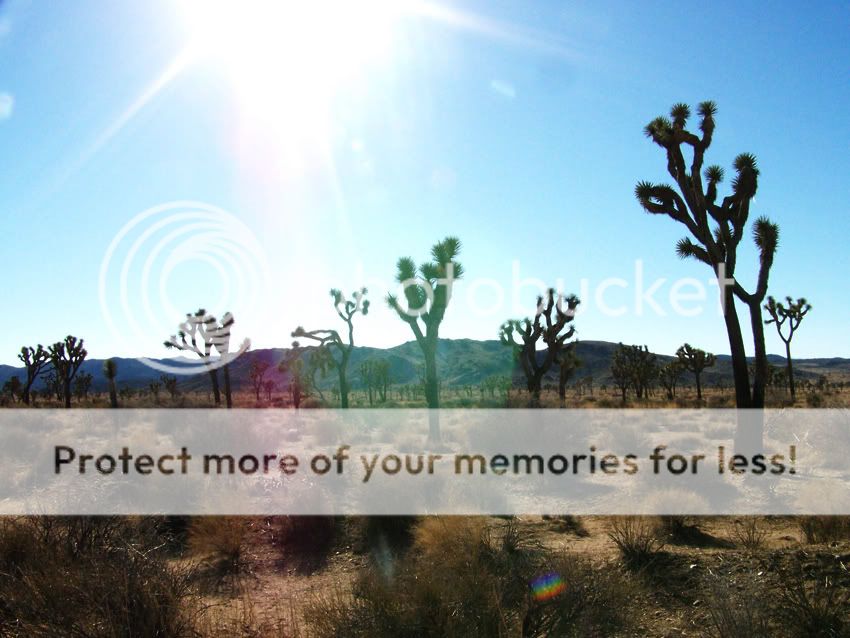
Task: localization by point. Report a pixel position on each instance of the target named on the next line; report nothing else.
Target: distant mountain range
(460, 362)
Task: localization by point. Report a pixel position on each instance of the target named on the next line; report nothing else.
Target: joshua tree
(346, 310)
(669, 375)
(110, 370)
(292, 365)
(66, 357)
(257, 374)
(34, 360)
(368, 375)
(82, 385)
(567, 363)
(319, 363)
(382, 378)
(269, 387)
(695, 360)
(552, 331)
(12, 388)
(155, 387)
(634, 367)
(792, 314)
(196, 335)
(200, 333)
(718, 229)
(169, 382)
(427, 293)
(621, 371)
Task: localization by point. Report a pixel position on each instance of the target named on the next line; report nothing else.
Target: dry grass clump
(219, 542)
(812, 605)
(637, 539)
(734, 616)
(824, 529)
(89, 576)
(463, 577)
(749, 533)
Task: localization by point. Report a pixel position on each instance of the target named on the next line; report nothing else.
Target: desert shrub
(569, 523)
(463, 577)
(118, 585)
(824, 529)
(749, 533)
(733, 616)
(394, 533)
(812, 606)
(814, 400)
(311, 403)
(637, 539)
(676, 527)
(219, 542)
(308, 535)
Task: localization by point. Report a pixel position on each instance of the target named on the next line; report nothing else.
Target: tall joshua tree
(330, 339)
(110, 370)
(34, 360)
(548, 329)
(717, 229)
(792, 314)
(66, 357)
(695, 360)
(200, 333)
(196, 335)
(427, 292)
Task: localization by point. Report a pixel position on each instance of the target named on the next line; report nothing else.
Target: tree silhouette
(718, 230)
(110, 371)
(196, 335)
(169, 382)
(269, 387)
(82, 386)
(330, 339)
(34, 360)
(633, 367)
(13, 387)
(200, 333)
(319, 363)
(792, 314)
(695, 360)
(427, 293)
(66, 357)
(669, 375)
(292, 365)
(524, 335)
(257, 373)
(568, 362)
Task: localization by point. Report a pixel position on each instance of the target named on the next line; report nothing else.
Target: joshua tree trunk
(227, 396)
(699, 386)
(113, 395)
(760, 376)
(790, 370)
(343, 381)
(66, 388)
(432, 390)
(214, 381)
(740, 371)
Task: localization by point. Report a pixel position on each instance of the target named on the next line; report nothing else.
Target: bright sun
(288, 60)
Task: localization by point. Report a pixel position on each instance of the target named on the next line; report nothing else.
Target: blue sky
(345, 144)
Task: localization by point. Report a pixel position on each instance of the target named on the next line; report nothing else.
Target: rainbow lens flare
(548, 586)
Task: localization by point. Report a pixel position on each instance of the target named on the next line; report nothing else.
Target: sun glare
(289, 60)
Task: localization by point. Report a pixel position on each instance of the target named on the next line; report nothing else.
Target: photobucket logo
(182, 245)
